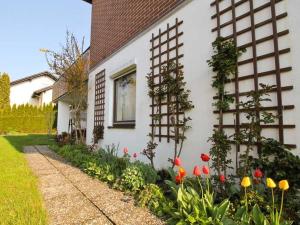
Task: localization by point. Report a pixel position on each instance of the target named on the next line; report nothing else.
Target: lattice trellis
(166, 48)
(99, 100)
(241, 21)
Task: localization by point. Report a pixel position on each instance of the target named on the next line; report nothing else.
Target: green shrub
(150, 175)
(102, 172)
(153, 198)
(107, 167)
(132, 179)
(78, 155)
(104, 156)
(136, 176)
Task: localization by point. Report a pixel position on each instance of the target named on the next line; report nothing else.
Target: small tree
(72, 66)
(4, 91)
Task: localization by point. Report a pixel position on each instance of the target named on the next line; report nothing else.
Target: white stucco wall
(197, 39)
(22, 93)
(293, 9)
(63, 116)
(46, 97)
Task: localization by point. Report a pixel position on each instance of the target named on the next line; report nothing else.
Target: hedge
(27, 119)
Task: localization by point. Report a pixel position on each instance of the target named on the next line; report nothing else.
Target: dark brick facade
(115, 22)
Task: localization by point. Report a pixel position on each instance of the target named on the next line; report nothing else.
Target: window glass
(125, 95)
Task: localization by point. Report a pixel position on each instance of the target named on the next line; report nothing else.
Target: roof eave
(31, 77)
(88, 1)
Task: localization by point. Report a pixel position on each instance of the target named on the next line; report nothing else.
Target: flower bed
(201, 199)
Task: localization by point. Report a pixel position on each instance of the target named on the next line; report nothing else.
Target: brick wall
(115, 22)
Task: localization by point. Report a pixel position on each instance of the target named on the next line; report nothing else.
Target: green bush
(149, 174)
(102, 172)
(136, 176)
(107, 167)
(107, 156)
(132, 179)
(153, 198)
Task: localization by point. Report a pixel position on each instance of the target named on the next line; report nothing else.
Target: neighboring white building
(35, 89)
(269, 30)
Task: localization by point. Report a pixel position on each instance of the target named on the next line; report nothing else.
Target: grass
(20, 199)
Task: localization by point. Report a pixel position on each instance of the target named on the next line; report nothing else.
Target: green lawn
(20, 200)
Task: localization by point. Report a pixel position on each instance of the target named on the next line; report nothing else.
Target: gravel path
(72, 197)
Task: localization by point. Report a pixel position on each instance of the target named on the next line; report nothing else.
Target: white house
(131, 39)
(35, 89)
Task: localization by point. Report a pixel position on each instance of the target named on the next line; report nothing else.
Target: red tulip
(258, 173)
(182, 172)
(134, 155)
(205, 170)
(125, 150)
(177, 161)
(205, 157)
(178, 179)
(222, 178)
(197, 171)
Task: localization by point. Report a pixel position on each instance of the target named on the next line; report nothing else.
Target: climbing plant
(158, 95)
(250, 133)
(224, 65)
(179, 102)
(173, 90)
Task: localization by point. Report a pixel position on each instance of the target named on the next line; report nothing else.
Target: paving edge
(110, 220)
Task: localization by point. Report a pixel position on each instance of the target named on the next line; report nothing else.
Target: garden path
(72, 197)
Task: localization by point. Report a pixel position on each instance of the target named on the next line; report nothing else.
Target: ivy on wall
(224, 64)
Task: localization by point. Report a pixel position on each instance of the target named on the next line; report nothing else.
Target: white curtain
(126, 98)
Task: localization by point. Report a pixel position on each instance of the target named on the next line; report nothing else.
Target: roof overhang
(40, 91)
(34, 76)
(88, 1)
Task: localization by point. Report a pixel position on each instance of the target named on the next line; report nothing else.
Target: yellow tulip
(284, 185)
(271, 183)
(246, 182)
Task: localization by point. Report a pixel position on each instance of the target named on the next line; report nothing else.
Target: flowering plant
(196, 207)
(256, 215)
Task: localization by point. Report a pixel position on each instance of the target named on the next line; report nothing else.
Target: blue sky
(27, 26)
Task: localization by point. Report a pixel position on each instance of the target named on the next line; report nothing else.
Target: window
(124, 101)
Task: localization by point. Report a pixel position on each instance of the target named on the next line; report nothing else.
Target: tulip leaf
(222, 209)
(258, 216)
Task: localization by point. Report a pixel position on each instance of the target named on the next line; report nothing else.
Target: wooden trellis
(99, 100)
(251, 12)
(166, 47)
